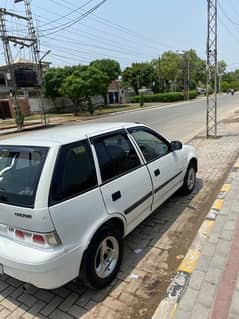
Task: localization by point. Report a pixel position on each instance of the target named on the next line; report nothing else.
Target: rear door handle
(116, 196)
(157, 172)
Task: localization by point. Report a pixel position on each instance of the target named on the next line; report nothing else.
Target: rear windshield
(20, 170)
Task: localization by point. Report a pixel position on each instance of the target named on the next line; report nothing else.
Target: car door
(126, 185)
(165, 167)
(75, 201)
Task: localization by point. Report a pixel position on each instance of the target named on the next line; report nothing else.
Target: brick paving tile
(58, 314)
(27, 299)
(49, 308)
(34, 310)
(16, 314)
(4, 313)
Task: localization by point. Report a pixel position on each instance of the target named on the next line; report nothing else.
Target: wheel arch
(194, 162)
(114, 221)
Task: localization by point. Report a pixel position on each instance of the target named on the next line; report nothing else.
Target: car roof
(64, 134)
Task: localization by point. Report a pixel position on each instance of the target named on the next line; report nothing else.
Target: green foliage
(82, 84)
(111, 71)
(231, 76)
(139, 75)
(110, 68)
(53, 80)
(19, 118)
(226, 86)
(164, 97)
(141, 100)
(172, 69)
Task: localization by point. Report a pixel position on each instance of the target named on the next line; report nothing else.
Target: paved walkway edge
(178, 286)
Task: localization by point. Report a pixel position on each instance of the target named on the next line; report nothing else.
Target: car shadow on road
(150, 260)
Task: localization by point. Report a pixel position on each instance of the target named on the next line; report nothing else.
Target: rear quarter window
(74, 172)
(20, 170)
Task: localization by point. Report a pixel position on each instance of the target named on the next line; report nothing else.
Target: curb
(5, 132)
(178, 286)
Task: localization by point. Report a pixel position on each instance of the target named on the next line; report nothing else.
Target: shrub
(164, 97)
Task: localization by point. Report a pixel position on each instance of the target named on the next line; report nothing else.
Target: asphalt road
(180, 120)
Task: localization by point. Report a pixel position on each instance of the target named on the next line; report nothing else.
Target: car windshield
(20, 170)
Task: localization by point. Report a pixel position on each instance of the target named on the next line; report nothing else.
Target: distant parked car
(68, 196)
(201, 91)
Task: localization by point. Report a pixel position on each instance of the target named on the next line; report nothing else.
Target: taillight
(19, 234)
(39, 239)
(46, 240)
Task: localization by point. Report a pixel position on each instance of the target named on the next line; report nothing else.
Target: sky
(127, 31)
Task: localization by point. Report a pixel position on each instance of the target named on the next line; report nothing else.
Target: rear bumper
(48, 269)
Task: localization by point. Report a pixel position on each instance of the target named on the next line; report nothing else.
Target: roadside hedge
(163, 97)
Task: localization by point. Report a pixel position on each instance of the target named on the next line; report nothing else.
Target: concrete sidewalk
(213, 288)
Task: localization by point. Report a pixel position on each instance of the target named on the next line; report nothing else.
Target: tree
(82, 84)
(111, 70)
(139, 75)
(172, 70)
(197, 69)
(171, 67)
(53, 80)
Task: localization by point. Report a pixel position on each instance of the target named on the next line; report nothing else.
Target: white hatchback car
(69, 195)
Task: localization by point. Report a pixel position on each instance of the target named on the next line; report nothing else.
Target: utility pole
(159, 72)
(32, 35)
(186, 75)
(212, 69)
(188, 79)
(35, 53)
(6, 39)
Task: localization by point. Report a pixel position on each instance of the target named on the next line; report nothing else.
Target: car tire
(102, 259)
(189, 180)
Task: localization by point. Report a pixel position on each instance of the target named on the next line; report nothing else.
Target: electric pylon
(212, 69)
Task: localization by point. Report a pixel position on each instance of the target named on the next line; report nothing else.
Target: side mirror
(176, 146)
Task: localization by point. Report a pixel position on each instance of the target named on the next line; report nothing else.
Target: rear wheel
(189, 180)
(102, 258)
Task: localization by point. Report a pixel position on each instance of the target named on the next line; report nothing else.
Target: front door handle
(157, 172)
(116, 196)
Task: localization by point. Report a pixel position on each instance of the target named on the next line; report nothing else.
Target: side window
(151, 145)
(116, 155)
(74, 172)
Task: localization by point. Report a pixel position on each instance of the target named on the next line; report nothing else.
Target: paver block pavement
(161, 238)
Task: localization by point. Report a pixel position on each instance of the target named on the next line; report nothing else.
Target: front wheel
(102, 259)
(189, 180)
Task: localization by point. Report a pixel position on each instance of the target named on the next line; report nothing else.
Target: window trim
(147, 129)
(125, 133)
(52, 202)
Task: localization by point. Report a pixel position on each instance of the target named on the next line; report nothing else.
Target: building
(116, 93)
(27, 84)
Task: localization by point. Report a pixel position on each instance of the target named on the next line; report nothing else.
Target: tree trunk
(91, 108)
(105, 97)
(54, 102)
(136, 90)
(75, 106)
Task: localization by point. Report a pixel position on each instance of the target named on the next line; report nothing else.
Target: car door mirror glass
(176, 146)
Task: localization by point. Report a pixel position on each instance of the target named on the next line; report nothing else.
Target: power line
(67, 25)
(121, 28)
(227, 16)
(67, 15)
